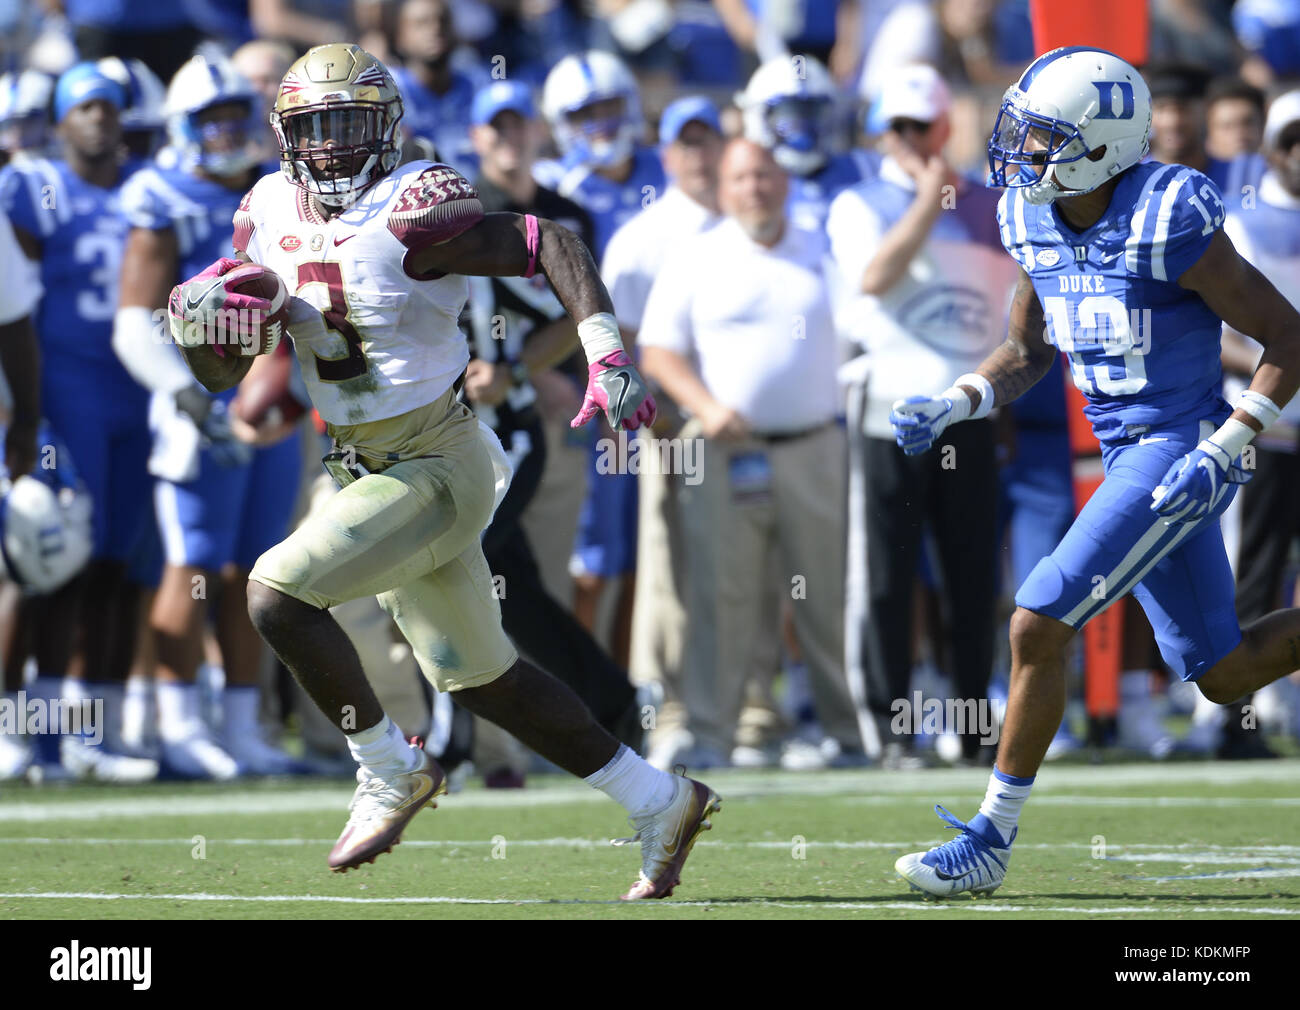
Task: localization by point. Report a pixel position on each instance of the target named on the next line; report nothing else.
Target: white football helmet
(25, 110)
(1079, 115)
(788, 107)
(222, 148)
(45, 538)
(143, 118)
(581, 80)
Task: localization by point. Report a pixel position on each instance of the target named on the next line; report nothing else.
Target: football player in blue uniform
(1126, 265)
(789, 108)
(66, 215)
(593, 105)
(220, 504)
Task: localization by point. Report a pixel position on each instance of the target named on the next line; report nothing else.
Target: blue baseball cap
(694, 109)
(500, 96)
(85, 82)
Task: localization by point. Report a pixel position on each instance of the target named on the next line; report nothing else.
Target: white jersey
(373, 341)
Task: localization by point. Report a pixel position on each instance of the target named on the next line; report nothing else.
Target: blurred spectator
(1266, 231)
(263, 63)
(738, 330)
(161, 34)
(1269, 31)
(690, 137)
(436, 96)
(1178, 127)
(771, 28)
(302, 23)
(915, 247)
(705, 54)
(1234, 118)
(25, 112)
(789, 108)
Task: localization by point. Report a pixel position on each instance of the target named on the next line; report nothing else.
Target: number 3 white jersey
(373, 340)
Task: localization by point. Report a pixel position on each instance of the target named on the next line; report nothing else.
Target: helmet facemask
(800, 127)
(221, 146)
(600, 140)
(335, 150)
(1032, 146)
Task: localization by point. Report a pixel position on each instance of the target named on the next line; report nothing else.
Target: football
(261, 335)
(265, 399)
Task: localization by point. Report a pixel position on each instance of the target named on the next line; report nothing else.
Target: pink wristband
(534, 240)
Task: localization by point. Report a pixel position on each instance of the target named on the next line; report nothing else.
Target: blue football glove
(919, 420)
(1195, 485)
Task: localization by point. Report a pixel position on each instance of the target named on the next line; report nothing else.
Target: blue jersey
(198, 210)
(441, 119)
(82, 233)
(810, 197)
(610, 204)
(1142, 350)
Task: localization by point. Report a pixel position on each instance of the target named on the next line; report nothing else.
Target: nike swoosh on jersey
(191, 306)
(340, 239)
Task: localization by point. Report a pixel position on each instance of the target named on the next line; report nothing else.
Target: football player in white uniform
(376, 258)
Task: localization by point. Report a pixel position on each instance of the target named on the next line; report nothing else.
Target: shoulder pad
(436, 206)
(243, 221)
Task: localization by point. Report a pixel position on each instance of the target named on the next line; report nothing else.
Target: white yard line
(992, 907)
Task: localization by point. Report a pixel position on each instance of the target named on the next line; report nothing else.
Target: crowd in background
(772, 189)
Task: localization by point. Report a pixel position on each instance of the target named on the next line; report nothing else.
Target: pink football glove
(193, 306)
(616, 387)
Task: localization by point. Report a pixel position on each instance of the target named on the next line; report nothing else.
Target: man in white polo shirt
(690, 139)
(925, 287)
(739, 331)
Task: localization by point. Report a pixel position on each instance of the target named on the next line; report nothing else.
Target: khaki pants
(408, 532)
(734, 533)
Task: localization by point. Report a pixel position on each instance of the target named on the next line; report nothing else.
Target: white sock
(1005, 796)
(382, 748)
(178, 711)
(82, 695)
(138, 715)
(629, 781)
(239, 707)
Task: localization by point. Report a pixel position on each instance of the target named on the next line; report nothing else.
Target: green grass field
(1184, 840)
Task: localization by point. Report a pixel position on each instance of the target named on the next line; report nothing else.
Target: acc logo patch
(1048, 257)
(291, 243)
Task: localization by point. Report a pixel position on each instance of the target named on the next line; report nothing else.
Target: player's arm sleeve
(1187, 212)
(142, 206)
(667, 319)
(20, 291)
(20, 195)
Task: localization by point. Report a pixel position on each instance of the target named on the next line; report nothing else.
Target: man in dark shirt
(517, 329)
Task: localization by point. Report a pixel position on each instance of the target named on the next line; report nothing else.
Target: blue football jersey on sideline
(810, 197)
(82, 232)
(610, 204)
(198, 210)
(441, 119)
(1142, 350)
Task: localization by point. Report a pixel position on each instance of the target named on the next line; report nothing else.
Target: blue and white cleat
(967, 863)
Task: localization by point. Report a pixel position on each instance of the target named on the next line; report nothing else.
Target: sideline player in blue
(66, 216)
(1127, 266)
(221, 506)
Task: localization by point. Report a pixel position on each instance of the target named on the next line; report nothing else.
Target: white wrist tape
(140, 343)
(1232, 437)
(1258, 406)
(985, 389)
(960, 403)
(599, 335)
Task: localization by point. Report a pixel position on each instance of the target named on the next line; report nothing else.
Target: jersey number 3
(336, 318)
